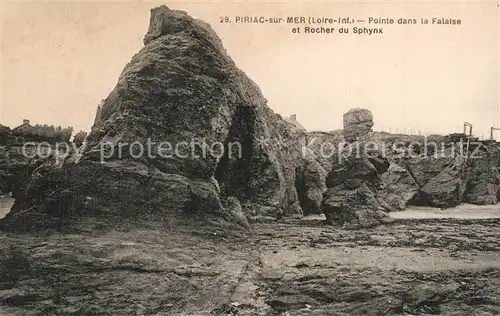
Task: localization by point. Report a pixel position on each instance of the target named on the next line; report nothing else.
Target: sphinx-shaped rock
(357, 123)
(19, 158)
(181, 115)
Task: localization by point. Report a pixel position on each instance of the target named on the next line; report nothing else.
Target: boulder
(331, 204)
(425, 168)
(398, 187)
(181, 115)
(358, 123)
(447, 188)
(234, 212)
(311, 185)
(359, 208)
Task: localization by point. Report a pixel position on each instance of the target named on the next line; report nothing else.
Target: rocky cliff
(20, 156)
(183, 130)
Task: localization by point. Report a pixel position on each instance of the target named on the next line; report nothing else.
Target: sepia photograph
(249, 158)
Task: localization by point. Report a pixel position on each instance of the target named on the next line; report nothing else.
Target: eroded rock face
(424, 169)
(18, 160)
(484, 179)
(354, 178)
(183, 91)
(311, 185)
(359, 208)
(323, 147)
(185, 135)
(319, 154)
(4, 133)
(357, 123)
(263, 177)
(447, 188)
(407, 169)
(434, 171)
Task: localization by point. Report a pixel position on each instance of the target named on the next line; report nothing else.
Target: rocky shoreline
(94, 233)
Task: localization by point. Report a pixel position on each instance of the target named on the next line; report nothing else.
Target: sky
(60, 59)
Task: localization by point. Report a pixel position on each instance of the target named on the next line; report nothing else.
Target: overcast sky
(60, 59)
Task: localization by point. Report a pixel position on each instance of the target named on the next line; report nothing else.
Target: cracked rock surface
(293, 267)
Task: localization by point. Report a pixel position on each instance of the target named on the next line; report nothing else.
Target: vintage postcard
(202, 158)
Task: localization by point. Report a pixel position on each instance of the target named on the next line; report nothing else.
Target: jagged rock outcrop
(447, 188)
(182, 130)
(455, 175)
(186, 136)
(408, 169)
(351, 177)
(355, 175)
(263, 176)
(398, 188)
(311, 185)
(98, 114)
(319, 153)
(357, 123)
(323, 147)
(16, 167)
(362, 209)
(424, 168)
(5, 133)
(18, 159)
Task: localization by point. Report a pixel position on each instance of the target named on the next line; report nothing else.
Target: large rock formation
(425, 168)
(19, 158)
(183, 130)
(5, 133)
(355, 175)
(483, 185)
(185, 136)
(457, 174)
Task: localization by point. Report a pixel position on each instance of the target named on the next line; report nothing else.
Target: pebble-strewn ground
(301, 267)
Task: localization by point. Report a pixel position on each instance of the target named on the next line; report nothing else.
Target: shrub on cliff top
(79, 138)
